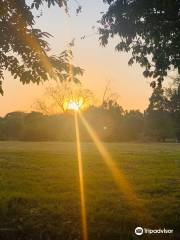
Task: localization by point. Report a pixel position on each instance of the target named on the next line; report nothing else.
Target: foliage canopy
(24, 48)
(150, 30)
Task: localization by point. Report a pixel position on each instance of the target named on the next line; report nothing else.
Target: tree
(173, 95)
(150, 30)
(24, 50)
(106, 118)
(13, 126)
(58, 98)
(158, 120)
(158, 100)
(132, 125)
(159, 125)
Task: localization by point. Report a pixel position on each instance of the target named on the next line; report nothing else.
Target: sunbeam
(30, 40)
(81, 181)
(120, 179)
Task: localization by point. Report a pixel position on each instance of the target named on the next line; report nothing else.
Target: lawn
(40, 200)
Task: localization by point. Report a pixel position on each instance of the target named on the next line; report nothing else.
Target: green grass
(39, 190)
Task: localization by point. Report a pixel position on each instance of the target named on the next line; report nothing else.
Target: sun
(75, 104)
(72, 105)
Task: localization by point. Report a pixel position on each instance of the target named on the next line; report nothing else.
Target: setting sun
(75, 104)
(72, 105)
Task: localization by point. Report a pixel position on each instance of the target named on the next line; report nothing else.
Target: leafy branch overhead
(24, 49)
(149, 30)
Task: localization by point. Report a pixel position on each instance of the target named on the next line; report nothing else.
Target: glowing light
(118, 175)
(81, 182)
(116, 172)
(74, 104)
(32, 41)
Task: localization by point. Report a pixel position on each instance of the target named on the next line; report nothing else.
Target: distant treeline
(109, 121)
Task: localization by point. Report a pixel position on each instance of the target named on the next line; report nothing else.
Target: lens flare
(72, 105)
(75, 103)
(81, 181)
(121, 181)
(34, 44)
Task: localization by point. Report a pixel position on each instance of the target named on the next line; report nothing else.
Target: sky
(101, 64)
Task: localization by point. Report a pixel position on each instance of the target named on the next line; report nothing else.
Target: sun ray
(33, 43)
(81, 181)
(116, 172)
(136, 204)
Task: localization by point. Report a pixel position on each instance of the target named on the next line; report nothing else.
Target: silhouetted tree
(132, 125)
(14, 125)
(112, 124)
(24, 48)
(158, 100)
(173, 95)
(158, 120)
(150, 30)
(159, 125)
(59, 96)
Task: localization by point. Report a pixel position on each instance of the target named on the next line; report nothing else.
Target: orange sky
(101, 64)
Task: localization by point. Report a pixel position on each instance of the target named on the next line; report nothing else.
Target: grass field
(39, 191)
